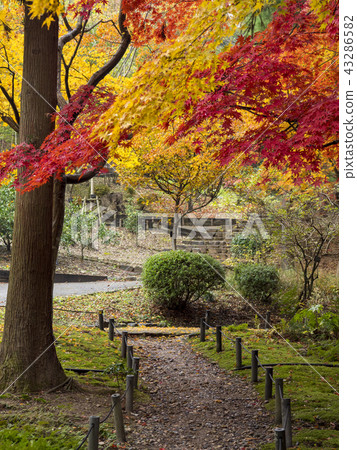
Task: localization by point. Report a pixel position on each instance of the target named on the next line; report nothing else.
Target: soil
(194, 404)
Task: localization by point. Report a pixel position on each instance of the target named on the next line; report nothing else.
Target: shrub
(257, 281)
(250, 247)
(176, 278)
(101, 189)
(314, 321)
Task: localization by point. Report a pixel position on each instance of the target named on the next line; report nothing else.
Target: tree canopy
(269, 96)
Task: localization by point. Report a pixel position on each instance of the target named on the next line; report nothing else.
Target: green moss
(74, 347)
(26, 436)
(123, 306)
(314, 401)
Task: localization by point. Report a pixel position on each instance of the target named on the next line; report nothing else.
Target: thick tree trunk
(28, 356)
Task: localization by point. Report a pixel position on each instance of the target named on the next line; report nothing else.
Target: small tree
(188, 180)
(84, 228)
(309, 225)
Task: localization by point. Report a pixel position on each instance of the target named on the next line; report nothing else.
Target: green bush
(101, 189)
(257, 281)
(176, 278)
(251, 247)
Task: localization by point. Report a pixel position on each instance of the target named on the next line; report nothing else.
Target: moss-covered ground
(312, 389)
(59, 420)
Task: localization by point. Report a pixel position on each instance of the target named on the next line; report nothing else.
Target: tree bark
(27, 355)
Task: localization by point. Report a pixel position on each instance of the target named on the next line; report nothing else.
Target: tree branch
(10, 121)
(63, 40)
(98, 76)
(84, 176)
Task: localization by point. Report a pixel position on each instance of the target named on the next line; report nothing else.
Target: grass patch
(88, 348)
(314, 401)
(124, 306)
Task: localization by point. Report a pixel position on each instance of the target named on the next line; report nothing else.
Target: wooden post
(286, 417)
(129, 356)
(118, 418)
(238, 352)
(280, 439)
(279, 394)
(254, 365)
(267, 321)
(101, 320)
(218, 338)
(202, 331)
(208, 319)
(124, 340)
(93, 438)
(111, 329)
(129, 398)
(268, 383)
(136, 364)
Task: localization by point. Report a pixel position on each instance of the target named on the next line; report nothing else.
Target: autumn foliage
(269, 97)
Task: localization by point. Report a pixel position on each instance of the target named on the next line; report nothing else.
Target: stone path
(194, 404)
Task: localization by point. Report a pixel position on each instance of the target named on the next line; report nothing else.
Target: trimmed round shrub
(257, 281)
(175, 278)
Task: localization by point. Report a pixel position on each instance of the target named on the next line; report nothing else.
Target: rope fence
(133, 363)
(283, 431)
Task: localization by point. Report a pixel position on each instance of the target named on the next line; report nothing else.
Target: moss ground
(312, 389)
(59, 420)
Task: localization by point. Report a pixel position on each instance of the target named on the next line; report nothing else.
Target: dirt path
(194, 404)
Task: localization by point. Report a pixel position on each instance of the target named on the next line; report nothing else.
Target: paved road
(67, 289)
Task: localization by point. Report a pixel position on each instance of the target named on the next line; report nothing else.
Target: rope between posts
(272, 379)
(120, 332)
(260, 364)
(85, 437)
(107, 416)
(208, 325)
(230, 339)
(244, 348)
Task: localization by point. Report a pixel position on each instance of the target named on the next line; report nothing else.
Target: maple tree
(269, 96)
(189, 180)
(284, 78)
(28, 357)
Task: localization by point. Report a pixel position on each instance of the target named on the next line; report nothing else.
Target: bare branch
(109, 66)
(10, 121)
(63, 40)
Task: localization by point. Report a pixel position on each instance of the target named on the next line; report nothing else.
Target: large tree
(27, 355)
